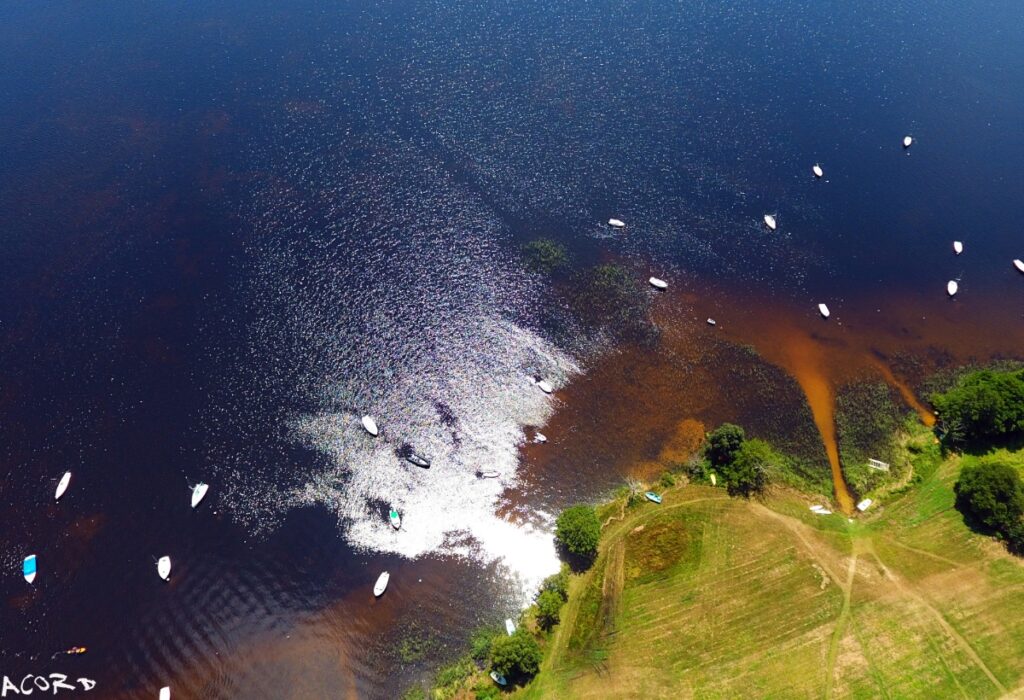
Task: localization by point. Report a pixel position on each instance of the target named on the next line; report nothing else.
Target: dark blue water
(231, 229)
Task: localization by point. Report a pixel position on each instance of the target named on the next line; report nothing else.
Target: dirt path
(841, 622)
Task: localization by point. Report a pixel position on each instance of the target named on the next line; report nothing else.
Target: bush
(747, 474)
(416, 692)
(667, 480)
(991, 494)
(545, 255)
(559, 583)
(579, 530)
(549, 609)
(516, 655)
(724, 444)
(480, 642)
(984, 405)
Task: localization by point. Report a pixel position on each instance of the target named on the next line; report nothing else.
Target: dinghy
(163, 567)
(545, 386)
(28, 568)
(395, 518)
(381, 585)
(165, 693)
(952, 287)
(958, 247)
(818, 172)
(616, 223)
(498, 678)
(658, 283)
(65, 481)
(540, 438)
(653, 497)
(510, 626)
(907, 140)
(769, 221)
(488, 474)
(199, 493)
(712, 322)
(1019, 264)
(414, 458)
(823, 310)
(370, 425)
(864, 505)
(714, 479)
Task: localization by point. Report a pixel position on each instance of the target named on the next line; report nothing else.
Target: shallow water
(232, 230)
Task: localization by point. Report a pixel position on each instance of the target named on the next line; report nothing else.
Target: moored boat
(28, 568)
(370, 425)
(199, 493)
(545, 386)
(653, 497)
(818, 172)
(382, 584)
(616, 223)
(658, 283)
(1019, 264)
(62, 486)
(958, 247)
(498, 678)
(165, 693)
(395, 518)
(163, 567)
(769, 221)
(907, 141)
(510, 626)
(823, 310)
(952, 287)
(416, 459)
(488, 474)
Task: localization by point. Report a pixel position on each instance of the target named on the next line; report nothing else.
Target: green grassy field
(712, 597)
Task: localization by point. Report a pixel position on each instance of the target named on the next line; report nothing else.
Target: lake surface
(231, 229)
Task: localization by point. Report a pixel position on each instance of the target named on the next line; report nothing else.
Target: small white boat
(864, 505)
(1019, 264)
(370, 425)
(163, 567)
(165, 693)
(395, 518)
(540, 438)
(199, 493)
(28, 568)
(818, 172)
(488, 474)
(65, 481)
(545, 386)
(823, 310)
(498, 678)
(714, 479)
(907, 141)
(712, 322)
(958, 247)
(381, 585)
(510, 626)
(658, 283)
(616, 223)
(952, 287)
(769, 221)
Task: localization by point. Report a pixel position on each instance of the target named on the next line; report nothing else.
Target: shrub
(667, 480)
(579, 530)
(559, 583)
(516, 655)
(416, 692)
(480, 642)
(549, 609)
(984, 405)
(992, 495)
(723, 444)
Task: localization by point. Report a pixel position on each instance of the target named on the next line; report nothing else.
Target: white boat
(658, 283)
(498, 678)
(1019, 264)
(510, 626)
(488, 474)
(370, 425)
(540, 438)
(818, 172)
(907, 140)
(545, 386)
(199, 493)
(712, 322)
(958, 247)
(823, 310)
(769, 221)
(395, 518)
(952, 287)
(864, 505)
(616, 223)
(65, 481)
(28, 568)
(165, 693)
(163, 567)
(714, 479)
(381, 585)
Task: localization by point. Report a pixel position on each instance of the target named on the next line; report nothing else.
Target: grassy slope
(710, 597)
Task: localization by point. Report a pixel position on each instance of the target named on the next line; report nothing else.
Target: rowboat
(540, 438)
(712, 322)
(199, 493)
(165, 693)
(658, 283)
(510, 626)
(414, 458)
(823, 310)
(545, 386)
(653, 497)
(907, 140)
(163, 567)
(370, 425)
(488, 474)
(958, 247)
(769, 221)
(1019, 264)
(616, 223)
(381, 585)
(395, 518)
(498, 678)
(818, 172)
(952, 287)
(28, 568)
(65, 481)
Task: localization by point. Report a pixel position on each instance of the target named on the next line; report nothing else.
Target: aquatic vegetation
(545, 255)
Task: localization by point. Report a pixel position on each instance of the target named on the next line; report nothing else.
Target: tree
(984, 405)
(991, 494)
(724, 442)
(747, 474)
(579, 530)
(559, 583)
(516, 655)
(549, 609)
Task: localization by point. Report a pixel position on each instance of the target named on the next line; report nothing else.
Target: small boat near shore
(769, 221)
(199, 493)
(395, 518)
(370, 425)
(381, 585)
(653, 497)
(28, 568)
(540, 438)
(616, 223)
(545, 386)
(163, 567)
(908, 141)
(62, 486)
(952, 287)
(1019, 264)
(823, 310)
(498, 678)
(958, 247)
(510, 626)
(658, 283)
(165, 693)
(818, 172)
(488, 474)
(712, 322)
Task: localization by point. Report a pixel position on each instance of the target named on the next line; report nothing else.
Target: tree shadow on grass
(577, 563)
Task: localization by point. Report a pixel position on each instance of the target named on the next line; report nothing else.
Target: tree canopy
(747, 474)
(516, 655)
(723, 444)
(549, 609)
(983, 406)
(991, 494)
(579, 530)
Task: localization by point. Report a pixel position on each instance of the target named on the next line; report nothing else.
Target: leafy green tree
(724, 443)
(983, 406)
(549, 609)
(579, 530)
(480, 642)
(516, 655)
(992, 494)
(747, 474)
(559, 583)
